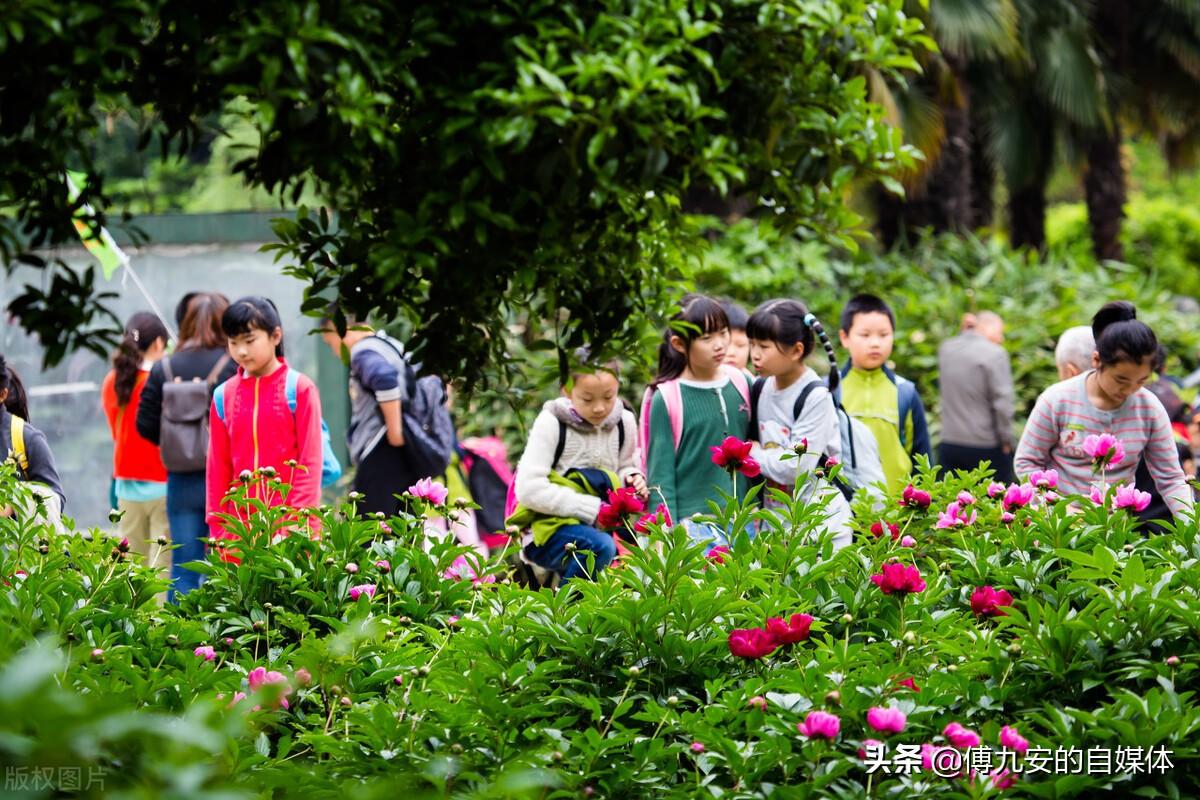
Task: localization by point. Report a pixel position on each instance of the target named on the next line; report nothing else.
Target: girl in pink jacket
(265, 416)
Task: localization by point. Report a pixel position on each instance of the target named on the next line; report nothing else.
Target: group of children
(229, 381)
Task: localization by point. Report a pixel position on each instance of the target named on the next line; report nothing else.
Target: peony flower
(717, 554)
(1129, 497)
(886, 720)
(892, 528)
(659, 516)
(758, 701)
(1003, 779)
(206, 652)
(995, 489)
(953, 517)
(1012, 740)
(751, 643)
(1007, 517)
(868, 744)
(1017, 496)
(1044, 479)
(986, 601)
(794, 630)
(908, 541)
(909, 683)
(303, 677)
(383, 565)
(461, 570)
(352, 568)
(733, 455)
(430, 490)
(899, 579)
(961, 737)
(820, 724)
(697, 747)
(260, 676)
(622, 503)
(915, 498)
(1105, 450)
(965, 498)
(1051, 498)
(1097, 496)
(363, 588)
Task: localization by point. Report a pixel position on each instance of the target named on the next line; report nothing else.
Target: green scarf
(543, 526)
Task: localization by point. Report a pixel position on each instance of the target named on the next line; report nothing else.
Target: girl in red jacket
(261, 418)
(141, 479)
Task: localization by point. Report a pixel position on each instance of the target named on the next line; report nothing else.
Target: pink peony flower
(758, 701)
(892, 528)
(792, 631)
(995, 489)
(909, 683)
(1012, 740)
(961, 737)
(886, 720)
(697, 747)
(733, 455)
(915, 498)
(430, 490)
(383, 565)
(986, 601)
(260, 676)
(1017, 496)
(660, 516)
(899, 579)
(717, 554)
(1003, 779)
(1007, 517)
(868, 744)
(1129, 497)
(908, 541)
(965, 498)
(363, 588)
(1097, 496)
(1044, 479)
(303, 677)
(461, 570)
(953, 517)
(1051, 498)
(751, 643)
(352, 568)
(206, 652)
(1105, 450)
(820, 724)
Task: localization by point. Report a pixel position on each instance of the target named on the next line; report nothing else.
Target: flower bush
(780, 671)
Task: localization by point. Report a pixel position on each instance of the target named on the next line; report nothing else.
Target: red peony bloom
(792, 631)
(892, 527)
(622, 503)
(909, 683)
(751, 643)
(733, 455)
(897, 578)
(660, 516)
(986, 601)
(915, 498)
(717, 554)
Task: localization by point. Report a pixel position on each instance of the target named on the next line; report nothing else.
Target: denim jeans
(185, 515)
(553, 554)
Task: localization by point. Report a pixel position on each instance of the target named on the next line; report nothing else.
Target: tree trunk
(1104, 188)
(1027, 216)
(983, 178)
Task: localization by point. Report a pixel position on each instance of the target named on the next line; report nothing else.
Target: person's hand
(638, 481)
(1006, 449)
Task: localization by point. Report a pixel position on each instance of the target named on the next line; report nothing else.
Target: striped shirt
(1064, 416)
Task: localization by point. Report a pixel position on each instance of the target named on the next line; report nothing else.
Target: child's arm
(378, 376)
(108, 401)
(818, 424)
(660, 460)
(218, 469)
(533, 487)
(1162, 461)
(306, 483)
(1039, 436)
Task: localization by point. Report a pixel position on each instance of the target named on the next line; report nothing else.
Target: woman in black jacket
(200, 356)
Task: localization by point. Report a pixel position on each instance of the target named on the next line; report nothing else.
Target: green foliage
(434, 687)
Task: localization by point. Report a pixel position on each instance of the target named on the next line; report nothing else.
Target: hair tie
(810, 320)
(135, 334)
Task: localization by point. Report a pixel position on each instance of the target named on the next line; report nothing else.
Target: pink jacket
(259, 430)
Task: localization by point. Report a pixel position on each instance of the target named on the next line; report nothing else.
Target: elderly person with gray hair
(1073, 353)
(975, 378)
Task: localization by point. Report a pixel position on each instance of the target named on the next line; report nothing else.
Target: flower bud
(389, 634)
(44, 549)
(172, 639)
(847, 618)
(697, 747)
(335, 689)
(291, 463)
(346, 701)
(952, 668)
(303, 677)
(424, 671)
(910, 637)
(379, 515)
(162, 541)
(398, 680)
(245, 476)
(123, 545)
(356, 496)
(758, 701)
(114, 516)
(513, 531)
(556, 756)
(461, 503)
(98, 654)
(1015, 648)
(1128, 548)
(635, 671)
(71, 637)
(832, 698)
(329, 562)
(351, 567)
(228, 641)
(588, 791)
(673, 701)
(257, 625)
(570, 547)
(1173, 661)
(269, 606)
(456, 748)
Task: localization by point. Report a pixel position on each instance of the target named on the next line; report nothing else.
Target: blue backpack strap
(290, 382)
(219, 400)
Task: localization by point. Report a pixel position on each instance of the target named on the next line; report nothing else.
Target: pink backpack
(674, 401)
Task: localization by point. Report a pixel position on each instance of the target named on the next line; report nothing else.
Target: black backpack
(429, 437)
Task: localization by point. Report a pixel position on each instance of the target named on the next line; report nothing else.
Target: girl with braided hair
(793, 413)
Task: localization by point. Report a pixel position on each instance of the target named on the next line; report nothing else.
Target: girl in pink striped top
(1109, 398)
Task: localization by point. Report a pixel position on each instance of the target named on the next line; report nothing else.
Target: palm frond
(975, 29)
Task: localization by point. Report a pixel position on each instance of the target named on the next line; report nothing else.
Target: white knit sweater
(586, 446)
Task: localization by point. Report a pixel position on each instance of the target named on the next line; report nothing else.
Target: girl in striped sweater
(1109, 398)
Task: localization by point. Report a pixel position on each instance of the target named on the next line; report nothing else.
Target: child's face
(705, 353)
(1121, 380)
(869, 339)
(254, 351)
(739, 348)
(593, 396)
(771, 359)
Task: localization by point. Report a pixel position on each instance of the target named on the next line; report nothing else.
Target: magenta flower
(1003, 779)
(461, 570)
(995, 489)
(383, 565)
(363, 588)
(909, 683)
(954, 517)
(717, 554)
(660, 516)
(758, 701)
(961, 737)
(1097, 496)
(430, 490)
(622, 503)
(1012, 740)
(260, 676)
(1129, 497)
(1007, 517)
(1105, 450)
(697, 747)
(897, 578)
(733, 455)
(1018, 496)
(751, 643)
(987, 602)
(352, 568)
(869, 744)
(820, 725)
(915, 498)
(794, 630)
(1044, 479)
(206, 652)
(908, 541)
(886, 720)
(965, 498)
(892, 528)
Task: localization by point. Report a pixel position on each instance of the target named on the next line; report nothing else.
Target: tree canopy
(481, 156)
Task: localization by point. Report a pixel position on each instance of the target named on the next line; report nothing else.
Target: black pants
(957, 456)
(383, 474)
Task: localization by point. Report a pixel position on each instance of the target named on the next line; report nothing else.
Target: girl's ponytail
(17, 402)
(142, 331)
(835, 375)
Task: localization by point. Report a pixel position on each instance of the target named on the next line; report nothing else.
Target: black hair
(865, 304)
(788, 322)
(17, 402)
(181, 308)
(1121, 336)
(142, 330)
(252, 313)
(698, 314)
(736, 314)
